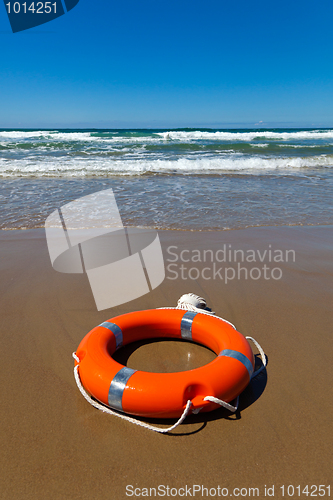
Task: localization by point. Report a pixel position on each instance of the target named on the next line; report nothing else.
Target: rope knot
(192, 302)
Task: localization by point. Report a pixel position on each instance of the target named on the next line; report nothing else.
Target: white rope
(125, 417)
(190, 307)
(188, 302)
(220, 402)
(194, 303)
(262, 355)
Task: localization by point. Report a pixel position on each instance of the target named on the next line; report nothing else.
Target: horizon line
(231, 126)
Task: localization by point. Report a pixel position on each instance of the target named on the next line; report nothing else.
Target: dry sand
(54, 445)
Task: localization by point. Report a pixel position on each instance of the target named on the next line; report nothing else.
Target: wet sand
(55, 445)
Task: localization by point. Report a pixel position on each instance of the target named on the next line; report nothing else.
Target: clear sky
(153, 63)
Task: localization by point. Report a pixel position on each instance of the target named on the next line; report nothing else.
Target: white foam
(13, 137)
(18, 134)
(172, 135)
(105, 167)
(303, 146)
(246, 136)
(50, 135)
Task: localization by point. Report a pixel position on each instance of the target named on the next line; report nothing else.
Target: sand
(54, 445)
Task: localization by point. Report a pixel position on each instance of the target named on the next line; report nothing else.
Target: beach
(55, 445)
(155, 158)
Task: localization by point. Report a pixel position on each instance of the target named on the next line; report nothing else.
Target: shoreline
(182, 202)
(268, 226)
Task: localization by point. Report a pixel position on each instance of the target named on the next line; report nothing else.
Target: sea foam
(104, 167)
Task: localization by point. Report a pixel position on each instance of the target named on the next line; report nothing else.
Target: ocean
(185, 179)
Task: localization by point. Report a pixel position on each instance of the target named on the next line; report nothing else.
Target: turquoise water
(171, 179)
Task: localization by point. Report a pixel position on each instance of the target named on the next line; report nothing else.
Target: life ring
(164, 395)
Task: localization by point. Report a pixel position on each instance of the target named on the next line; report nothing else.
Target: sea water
(196, 179)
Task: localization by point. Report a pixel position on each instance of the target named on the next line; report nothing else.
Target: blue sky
(171, 64)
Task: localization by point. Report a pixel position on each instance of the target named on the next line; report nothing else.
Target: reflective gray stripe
(116, 332)
(241, 357)
(186, 325)
(117, 387)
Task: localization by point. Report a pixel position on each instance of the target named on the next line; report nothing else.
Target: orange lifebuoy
(164, 395)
